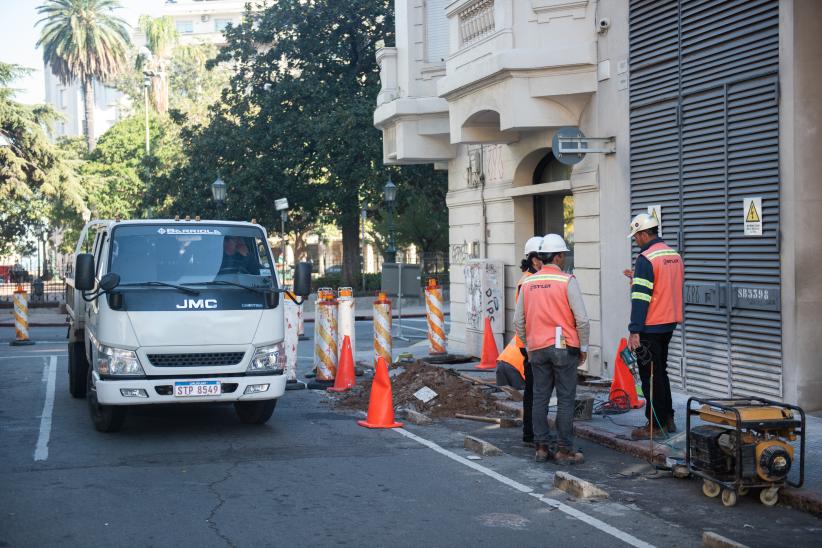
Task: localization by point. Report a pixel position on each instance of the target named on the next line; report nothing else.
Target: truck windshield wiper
(180, 288)
(261, 290)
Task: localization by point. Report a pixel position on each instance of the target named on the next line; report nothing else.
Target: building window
(221, 24)
(185, 27)
(62, 98)
(436, 31)
(549, 169)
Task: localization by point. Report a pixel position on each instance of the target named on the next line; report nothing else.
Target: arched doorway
(554, 212)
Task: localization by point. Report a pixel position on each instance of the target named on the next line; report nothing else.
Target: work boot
(543, 453)
(644, 432)
(528, 442)
(670, 425)
(568, 456)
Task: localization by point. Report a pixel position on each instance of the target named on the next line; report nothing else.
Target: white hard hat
(641, 222)
(532, 245)
(553, 243)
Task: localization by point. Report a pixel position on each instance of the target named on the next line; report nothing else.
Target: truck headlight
(268, 359)
(119, 362)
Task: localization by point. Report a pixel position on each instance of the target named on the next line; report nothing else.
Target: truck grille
(196, 360)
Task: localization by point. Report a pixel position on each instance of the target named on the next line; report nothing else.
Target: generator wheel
(710, 489)
(743, 491)
(728, 497)
(769, 496)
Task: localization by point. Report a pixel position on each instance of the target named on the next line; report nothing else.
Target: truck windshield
(191, 254)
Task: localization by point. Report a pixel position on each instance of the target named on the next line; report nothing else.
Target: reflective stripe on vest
(669, 276)
(546, 308)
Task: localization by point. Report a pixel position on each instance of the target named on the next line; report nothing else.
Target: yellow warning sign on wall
(752, 216)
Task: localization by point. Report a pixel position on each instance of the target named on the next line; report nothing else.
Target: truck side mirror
(84, 272)
(110, 281)
(302, 279)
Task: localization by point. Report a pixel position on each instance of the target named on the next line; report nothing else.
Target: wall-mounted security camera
(603, 25)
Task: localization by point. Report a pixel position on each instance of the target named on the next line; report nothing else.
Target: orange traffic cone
(489, 348)
(381, 404)
(623, 379)
(345, 378)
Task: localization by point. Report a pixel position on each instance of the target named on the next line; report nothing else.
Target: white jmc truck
(167, 311)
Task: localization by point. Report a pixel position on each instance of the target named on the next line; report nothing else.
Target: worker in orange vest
(656, 309)
(513, 368)
(550, 317)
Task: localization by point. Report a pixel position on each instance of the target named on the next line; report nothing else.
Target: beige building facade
(480, 87)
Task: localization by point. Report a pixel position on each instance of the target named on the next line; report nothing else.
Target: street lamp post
(218, 192)
(281, 205)
(146, 85)
(389, 193)
(363, 219)
(145, 53)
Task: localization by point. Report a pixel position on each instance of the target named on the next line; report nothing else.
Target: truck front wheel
(77, 369)
(255, 412)
(106, 418)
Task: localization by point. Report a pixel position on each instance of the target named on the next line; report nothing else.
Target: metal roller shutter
(704, 135)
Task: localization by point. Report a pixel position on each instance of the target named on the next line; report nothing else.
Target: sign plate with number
(193, 389)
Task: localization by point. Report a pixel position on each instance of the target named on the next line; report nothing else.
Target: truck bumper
(161, 391)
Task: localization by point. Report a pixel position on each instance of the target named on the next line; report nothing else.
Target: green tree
(83, 40)
(303, 96)
(35, 181)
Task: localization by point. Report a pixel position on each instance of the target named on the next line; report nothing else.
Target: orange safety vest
(547, 307)
(669, 276)
(511, 354)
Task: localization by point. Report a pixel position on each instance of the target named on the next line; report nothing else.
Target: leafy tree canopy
(34, 177)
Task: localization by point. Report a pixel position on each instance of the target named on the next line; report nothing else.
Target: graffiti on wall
(483, 295)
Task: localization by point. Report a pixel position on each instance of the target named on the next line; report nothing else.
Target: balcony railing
(476, 21)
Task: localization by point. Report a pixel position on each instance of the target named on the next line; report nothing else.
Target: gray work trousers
(553, 367)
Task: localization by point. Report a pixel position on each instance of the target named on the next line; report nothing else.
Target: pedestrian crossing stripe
(753, 214)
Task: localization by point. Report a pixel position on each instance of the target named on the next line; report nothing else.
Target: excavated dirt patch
(454, 395)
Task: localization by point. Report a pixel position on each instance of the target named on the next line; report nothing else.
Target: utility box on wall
(484, 298)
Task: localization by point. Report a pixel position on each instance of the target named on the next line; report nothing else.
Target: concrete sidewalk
(614, 431)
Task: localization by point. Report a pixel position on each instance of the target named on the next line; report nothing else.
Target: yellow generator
(738, 444)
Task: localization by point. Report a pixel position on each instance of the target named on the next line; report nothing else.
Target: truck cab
(169, 311)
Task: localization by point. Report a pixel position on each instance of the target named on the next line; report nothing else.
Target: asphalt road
(194, 476)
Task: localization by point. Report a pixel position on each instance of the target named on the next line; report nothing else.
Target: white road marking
(42, 450)
(627, 538)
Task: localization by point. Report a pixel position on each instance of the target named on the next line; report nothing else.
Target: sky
(18, 36)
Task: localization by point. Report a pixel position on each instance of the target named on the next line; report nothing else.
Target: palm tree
(83, 40)
(161, 37)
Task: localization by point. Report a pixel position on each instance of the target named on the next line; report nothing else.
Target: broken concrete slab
(415, 417)
(481, 447)
(577, 487)
(713, 540)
